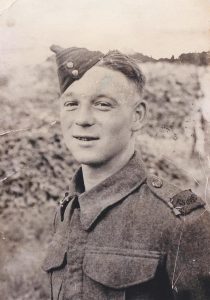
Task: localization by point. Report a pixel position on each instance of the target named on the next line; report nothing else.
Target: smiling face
(99, 116)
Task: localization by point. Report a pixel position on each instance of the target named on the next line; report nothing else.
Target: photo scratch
(177, 255)
(27, 129)
(7, 6)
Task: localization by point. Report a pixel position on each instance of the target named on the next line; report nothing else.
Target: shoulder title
(181, 202)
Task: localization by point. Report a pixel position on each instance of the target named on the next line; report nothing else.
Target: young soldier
(119, 232)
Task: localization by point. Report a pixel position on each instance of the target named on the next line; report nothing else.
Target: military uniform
(133, 236)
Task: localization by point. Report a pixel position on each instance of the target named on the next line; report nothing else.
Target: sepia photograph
(104, 150)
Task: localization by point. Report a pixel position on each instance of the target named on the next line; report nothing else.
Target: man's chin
(89, 160)
(93, 161)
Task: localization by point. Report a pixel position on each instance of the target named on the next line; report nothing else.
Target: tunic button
(75, 73)
(157, 182)
(70, 64)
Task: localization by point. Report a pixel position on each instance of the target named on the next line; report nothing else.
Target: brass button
(75, 73)
(69, 64)
(157, 182)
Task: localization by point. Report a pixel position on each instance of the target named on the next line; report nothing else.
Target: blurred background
(170, 42)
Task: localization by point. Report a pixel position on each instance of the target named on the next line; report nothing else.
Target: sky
(158, 28)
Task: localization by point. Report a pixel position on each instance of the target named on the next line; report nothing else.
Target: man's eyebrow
(94, 97)
(104, 96)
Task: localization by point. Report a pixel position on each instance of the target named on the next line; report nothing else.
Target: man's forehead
(102, 80)
(102, 73)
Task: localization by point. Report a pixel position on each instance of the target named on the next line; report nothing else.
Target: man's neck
(93, 175)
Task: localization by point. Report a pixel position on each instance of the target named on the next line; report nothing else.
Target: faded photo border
(170, 42)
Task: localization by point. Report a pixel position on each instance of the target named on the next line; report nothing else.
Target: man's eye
(103, 105)
(71, 104)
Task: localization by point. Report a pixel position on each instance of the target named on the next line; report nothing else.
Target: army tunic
(133, 236)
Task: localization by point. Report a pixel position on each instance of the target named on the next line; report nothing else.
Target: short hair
(117, 61)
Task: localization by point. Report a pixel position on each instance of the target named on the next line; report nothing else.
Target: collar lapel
(111, 190)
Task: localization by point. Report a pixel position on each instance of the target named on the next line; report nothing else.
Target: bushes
(39, 167)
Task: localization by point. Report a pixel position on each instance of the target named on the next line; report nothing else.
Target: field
(36, 167)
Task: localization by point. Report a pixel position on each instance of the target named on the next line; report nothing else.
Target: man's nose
(84, 116)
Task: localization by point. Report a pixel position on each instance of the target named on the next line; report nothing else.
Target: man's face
(96, 115)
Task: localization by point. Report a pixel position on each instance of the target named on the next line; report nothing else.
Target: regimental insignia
(63, 204)
(180, 202)
(65, 200)
(186, 201)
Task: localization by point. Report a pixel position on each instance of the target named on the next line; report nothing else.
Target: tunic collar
(108, 192)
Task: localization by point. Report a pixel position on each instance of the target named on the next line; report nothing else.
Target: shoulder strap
(180, 202)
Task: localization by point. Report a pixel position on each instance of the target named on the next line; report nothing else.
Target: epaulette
(180, 202)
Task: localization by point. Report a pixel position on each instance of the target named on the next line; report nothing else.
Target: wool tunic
(133, 236)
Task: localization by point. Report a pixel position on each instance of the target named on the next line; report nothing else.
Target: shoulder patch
(186, 201)
(180, 202)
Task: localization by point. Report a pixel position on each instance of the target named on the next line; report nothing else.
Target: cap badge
(75, 73)
(69, 64)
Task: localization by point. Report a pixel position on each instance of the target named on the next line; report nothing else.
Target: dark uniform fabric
(131, 237)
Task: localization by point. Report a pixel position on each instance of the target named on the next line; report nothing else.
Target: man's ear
(139, 115)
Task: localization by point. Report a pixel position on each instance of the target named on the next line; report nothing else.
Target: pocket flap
(56, 254)
(121, 269)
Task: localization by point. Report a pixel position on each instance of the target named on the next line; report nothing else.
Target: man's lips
(85, 138)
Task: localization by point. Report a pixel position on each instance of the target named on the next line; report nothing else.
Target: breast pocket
(54, 264)
(120, 273)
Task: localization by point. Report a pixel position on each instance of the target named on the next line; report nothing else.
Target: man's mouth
(85, 138)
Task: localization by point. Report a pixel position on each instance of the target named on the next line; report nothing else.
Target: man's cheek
(117, 128)
(66, 123)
